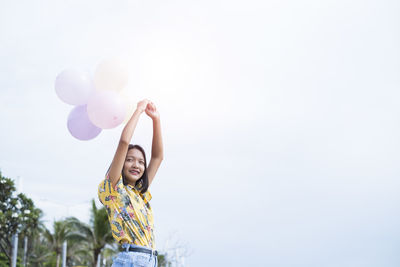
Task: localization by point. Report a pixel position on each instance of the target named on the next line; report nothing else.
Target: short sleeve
(106, 192)
(146, 196)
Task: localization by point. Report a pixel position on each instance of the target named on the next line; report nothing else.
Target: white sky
(280, 121)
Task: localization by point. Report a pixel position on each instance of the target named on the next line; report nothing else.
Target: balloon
(73, 87)
(130, 102)
(80, 126)
(106, 109)
(111, 74)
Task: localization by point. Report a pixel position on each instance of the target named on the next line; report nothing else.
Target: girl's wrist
(139, 111)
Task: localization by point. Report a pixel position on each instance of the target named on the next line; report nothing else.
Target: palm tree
(97, 234)
(108, 252)
(63, 231)
(77, 253)
(38, 249)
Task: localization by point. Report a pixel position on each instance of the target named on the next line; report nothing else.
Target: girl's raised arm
(157, 151)
(119, 158)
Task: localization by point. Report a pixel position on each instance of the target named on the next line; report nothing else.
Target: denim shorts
(134, 259)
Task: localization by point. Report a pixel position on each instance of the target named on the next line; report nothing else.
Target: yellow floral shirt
(129, 213)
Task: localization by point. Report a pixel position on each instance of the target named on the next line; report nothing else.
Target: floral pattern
(129, 213)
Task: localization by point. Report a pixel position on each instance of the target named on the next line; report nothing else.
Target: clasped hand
(148, 107)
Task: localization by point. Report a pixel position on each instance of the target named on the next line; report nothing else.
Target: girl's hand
(151, 111)
(141, 106)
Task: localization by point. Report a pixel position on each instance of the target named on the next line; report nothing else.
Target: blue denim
(134, 259)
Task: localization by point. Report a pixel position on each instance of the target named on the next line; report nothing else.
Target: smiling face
(134, 166)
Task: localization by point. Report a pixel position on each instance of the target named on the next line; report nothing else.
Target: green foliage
(4, 262)
(51, 261)
(17, 214)
(162, 261)
(85, 241)
(95, 235)
(38, 247)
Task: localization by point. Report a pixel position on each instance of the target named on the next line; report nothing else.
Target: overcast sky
(280, 122)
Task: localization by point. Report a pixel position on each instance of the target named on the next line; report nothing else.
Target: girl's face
(134, 165)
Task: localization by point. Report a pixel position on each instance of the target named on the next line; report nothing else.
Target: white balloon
(111, 74)
(73, 87)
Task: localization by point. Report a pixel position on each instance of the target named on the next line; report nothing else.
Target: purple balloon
(80, 126)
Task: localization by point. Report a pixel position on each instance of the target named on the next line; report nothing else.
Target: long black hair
(143, 183)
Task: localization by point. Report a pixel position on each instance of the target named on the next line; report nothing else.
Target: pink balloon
(74, 87)
(80, 126)
(106, 109)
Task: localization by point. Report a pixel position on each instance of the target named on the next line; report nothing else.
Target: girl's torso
(129, 213)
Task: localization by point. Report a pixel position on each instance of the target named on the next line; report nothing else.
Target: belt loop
(150, 258)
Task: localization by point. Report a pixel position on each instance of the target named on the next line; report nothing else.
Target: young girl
(124, 193)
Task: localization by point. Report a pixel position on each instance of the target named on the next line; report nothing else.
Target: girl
(124, 193)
